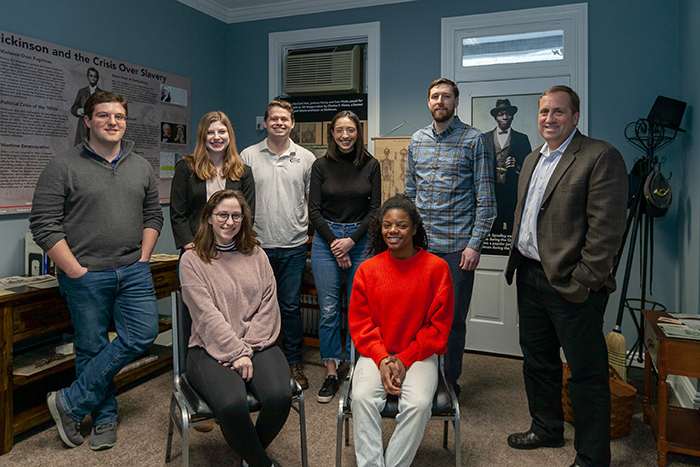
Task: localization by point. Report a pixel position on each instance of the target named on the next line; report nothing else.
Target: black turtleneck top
(344, 193)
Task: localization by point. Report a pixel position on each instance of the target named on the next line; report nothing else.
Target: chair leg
(168, 450)
(185, 440)
(339, 440)
(444, 434)
(171, 429)
(458, 442)
(347, 431)
(302, 429)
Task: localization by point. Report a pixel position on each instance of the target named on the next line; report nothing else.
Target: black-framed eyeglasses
(105, 116)
(223, 216)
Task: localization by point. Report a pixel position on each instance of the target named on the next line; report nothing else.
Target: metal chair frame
(188, 409)
(446, 412)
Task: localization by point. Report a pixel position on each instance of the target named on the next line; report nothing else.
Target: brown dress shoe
(205, 428)
(298, 374)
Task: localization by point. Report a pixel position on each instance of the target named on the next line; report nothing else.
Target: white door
(492, 322)
(510, 55)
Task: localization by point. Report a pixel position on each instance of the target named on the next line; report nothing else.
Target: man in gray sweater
(96, 214)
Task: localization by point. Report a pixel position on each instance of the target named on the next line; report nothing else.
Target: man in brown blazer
(569, 223)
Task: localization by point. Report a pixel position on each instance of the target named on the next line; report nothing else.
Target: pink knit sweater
(232, 301)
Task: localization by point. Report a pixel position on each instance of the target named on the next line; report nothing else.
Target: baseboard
(688, 395)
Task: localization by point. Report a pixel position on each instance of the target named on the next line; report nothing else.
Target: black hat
(666, 112)
(503, 104)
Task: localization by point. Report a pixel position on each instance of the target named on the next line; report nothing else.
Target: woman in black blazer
(215, 165)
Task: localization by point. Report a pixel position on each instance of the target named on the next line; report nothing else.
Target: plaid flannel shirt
(449, 176)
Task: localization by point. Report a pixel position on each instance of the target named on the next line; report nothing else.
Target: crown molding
(279, 9)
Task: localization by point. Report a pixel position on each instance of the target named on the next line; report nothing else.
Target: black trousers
(548, 322)
(225, 392)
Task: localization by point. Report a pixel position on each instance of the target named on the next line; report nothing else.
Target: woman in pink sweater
(228, 285)
(400, 317)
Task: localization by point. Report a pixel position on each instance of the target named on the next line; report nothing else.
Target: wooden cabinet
(31, 313)
(676, 429)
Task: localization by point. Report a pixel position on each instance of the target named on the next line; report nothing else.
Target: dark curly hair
(376, 243)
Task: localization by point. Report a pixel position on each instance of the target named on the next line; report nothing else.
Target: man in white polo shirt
(282, 172)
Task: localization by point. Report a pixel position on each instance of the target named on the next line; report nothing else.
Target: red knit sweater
(401, 307)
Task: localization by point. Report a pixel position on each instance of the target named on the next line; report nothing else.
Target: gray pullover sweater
(98, 209)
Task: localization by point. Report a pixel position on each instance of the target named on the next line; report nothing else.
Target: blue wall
(161, 34)
(631, 61)
(687, 196)
(626, 73)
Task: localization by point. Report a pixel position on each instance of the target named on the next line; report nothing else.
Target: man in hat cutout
(509, 148)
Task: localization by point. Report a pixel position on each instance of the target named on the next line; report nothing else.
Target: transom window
(513, 48)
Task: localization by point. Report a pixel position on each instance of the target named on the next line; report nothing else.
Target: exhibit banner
(43, 88)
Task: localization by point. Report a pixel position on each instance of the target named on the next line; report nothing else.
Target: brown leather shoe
(205, 428)
(298, 374)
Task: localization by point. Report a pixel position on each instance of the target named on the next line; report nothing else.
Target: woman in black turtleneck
(344, 196)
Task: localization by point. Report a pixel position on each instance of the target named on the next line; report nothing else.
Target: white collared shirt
(281, 185)
(502, 138)
(527, 233)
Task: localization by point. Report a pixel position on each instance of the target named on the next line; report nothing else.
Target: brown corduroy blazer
(582, 218)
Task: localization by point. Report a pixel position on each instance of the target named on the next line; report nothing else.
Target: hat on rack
(503, 104)
(666, 112)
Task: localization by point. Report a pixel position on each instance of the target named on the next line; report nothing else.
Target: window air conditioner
(332, 71)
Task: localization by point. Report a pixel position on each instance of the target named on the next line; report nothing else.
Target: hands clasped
(243, 365)
(340, 247)
(392, 372)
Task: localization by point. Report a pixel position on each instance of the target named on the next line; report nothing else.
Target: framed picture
(510, 124)
(391, 154)
(310, 133)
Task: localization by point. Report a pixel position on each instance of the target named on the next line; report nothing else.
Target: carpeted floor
(493, 405)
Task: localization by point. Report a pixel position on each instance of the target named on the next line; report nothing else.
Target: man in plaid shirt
(449, 176)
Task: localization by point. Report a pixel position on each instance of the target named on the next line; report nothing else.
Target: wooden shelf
(39, 414)
(20, 380)
(682, 428)
(675, 428)
(32, 313)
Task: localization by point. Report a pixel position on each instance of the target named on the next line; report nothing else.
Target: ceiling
(240, 11)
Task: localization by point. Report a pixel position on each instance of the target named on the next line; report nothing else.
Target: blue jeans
(327, 278)
(462, 283)
(288, 265)
(126, 296)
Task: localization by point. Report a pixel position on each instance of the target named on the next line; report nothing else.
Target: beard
(442, 117)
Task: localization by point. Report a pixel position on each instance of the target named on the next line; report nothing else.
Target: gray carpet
(493, 405)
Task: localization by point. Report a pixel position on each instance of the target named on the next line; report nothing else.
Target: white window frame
(572, 19)
(281, 42)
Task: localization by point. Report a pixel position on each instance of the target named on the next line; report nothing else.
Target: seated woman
(228, 285)
(400, 317)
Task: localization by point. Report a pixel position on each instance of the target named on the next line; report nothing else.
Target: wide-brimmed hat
(503, 104)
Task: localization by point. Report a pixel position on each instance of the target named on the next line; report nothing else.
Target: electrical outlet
(259, 123)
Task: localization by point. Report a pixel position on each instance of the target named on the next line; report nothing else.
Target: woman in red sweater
(400, 317)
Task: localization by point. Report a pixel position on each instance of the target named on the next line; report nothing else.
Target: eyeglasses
(121, 118)
(223, 216)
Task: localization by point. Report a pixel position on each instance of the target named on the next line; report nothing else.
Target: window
(513, 48)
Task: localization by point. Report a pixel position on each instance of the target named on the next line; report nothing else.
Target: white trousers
(415, 403)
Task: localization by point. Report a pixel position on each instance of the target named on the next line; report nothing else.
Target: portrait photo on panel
(510, 125)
